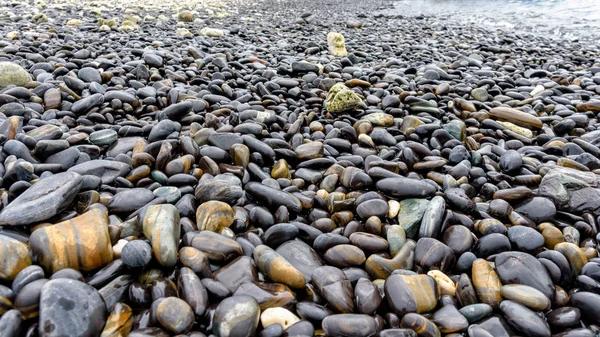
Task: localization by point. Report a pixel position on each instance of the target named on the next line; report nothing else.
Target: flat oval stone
(273, 198)
(136, 253)
(525, 239)
(15, 257)
(432, 254)
(217, 247)
(42, 200)
(301, 256)
(538, 209)
(522, 268)
(103, 137)
(374, 207)
(524, 319)
(334, 285)
(130, 200)
(239, 271)
(236, 316)
(119, 322)
(432, 218)
(564, 317)
(278, 315)
(349, 325)
(526, 295)
(448, 319)
(416, 322)
(405, 188)
(344, 256)
(161, 226)
(486, 283)
(410, 215)
(214, 216)
(367, 296)
(107, 170)
(410, 293)
(588, 303)
(61, 246)
(70, 308)
(277, 268)
(215, 189)
(175, 315)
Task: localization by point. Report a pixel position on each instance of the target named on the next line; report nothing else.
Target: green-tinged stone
(410, 215)
(457, 129)
(161, 227)
(340, 98)
(12, 73)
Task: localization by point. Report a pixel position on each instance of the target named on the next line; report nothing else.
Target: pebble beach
(299, 168)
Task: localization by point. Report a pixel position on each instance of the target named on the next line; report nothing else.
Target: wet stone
(70, 307)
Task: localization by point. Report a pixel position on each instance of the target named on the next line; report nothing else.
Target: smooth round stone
(103, 137)
(26, 276)
(525, 295)
(175, 315)
(432, 254)
(420, 324)
(171, 193)
(196, 260)
(525, 239)
(458, 238)
(28, 299)
(217, 247)
(119, 322)
(486, 283)
(589, 305)
(344, 256)
(476, 312)
(192, 291)
(71, 308)
(214, 216)
(537, 209)
(522, 268)
(432, 218)
(491, 244)
(11, 323)
(511, 161)
(273, 330)
(368, 242)
(524, 319)
(136, 254)
(397, 333)
(237, 272)
(448, 319)
(410, 215)
(60, 246)
(12, 73)
(564, 317)
(107, 170)
(396, 238)
(349, 325)
(236, 316)
(278, 315)
(42, 200)
(405, 188)
(301, 256)
(367, 296)
(88, 75)
(335, 287)
(374, 207)
(355, 179)
(410, 293)
(277, 268)
(130, 200)
(445, 285)
(15, 257)
(161, 226)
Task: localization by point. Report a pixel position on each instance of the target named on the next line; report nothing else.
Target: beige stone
(278, 315)
(336, 44)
